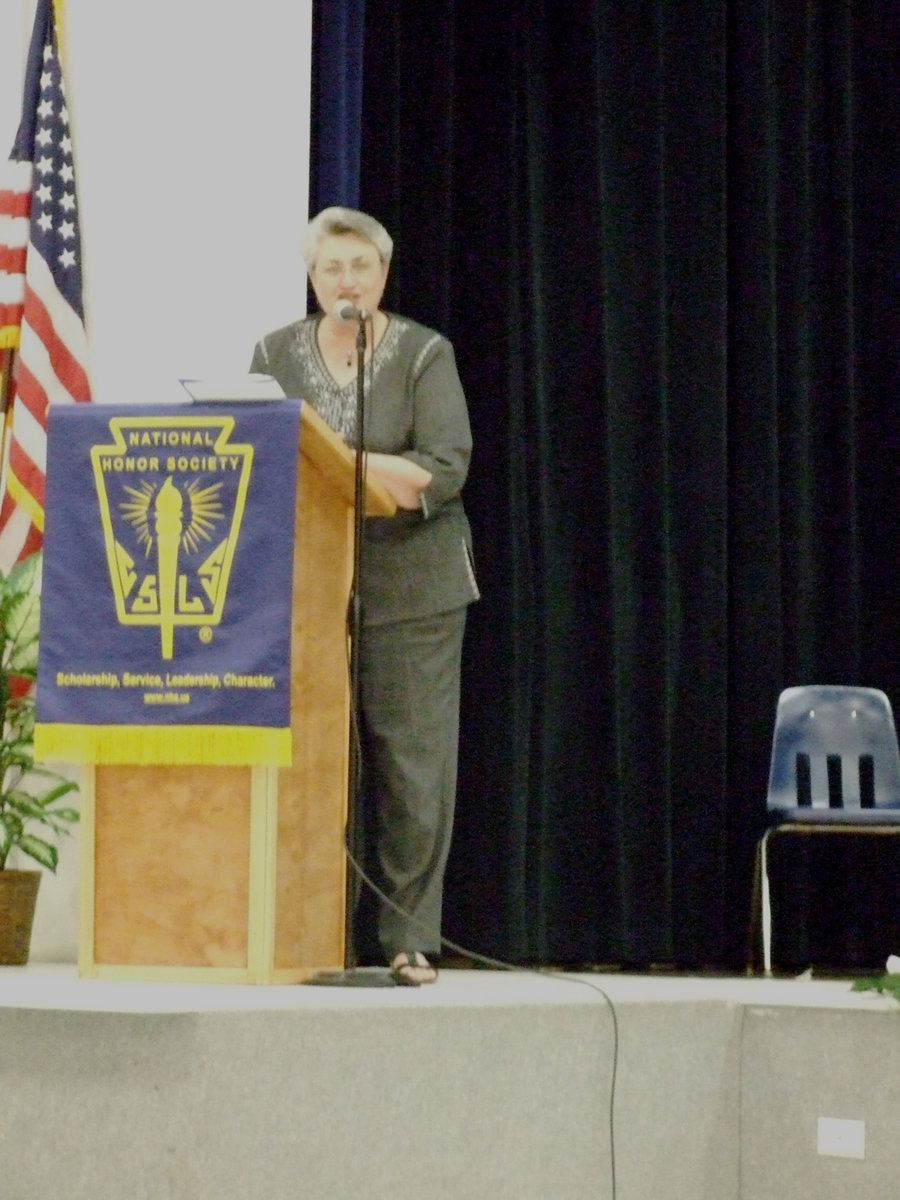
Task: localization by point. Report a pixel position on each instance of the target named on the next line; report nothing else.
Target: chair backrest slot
(835, 781)
(866, 781)
(804, 782)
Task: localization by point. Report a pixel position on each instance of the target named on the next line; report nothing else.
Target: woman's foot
(412, 967)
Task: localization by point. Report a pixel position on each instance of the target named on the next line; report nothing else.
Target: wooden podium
(238, 874)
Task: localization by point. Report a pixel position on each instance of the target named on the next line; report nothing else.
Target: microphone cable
(484, 960)
(499, 964)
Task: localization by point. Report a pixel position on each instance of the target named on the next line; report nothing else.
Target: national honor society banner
(166, 594)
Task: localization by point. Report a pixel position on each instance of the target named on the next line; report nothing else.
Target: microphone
(345, 311)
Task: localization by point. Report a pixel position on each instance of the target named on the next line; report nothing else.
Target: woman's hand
(404, 479)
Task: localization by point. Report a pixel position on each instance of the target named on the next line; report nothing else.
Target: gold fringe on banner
(168, 745)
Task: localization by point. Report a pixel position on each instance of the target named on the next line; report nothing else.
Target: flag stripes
(41, 308)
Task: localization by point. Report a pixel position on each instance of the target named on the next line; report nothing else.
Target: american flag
(42, 331)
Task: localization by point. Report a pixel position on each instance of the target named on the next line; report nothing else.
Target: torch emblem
(172, 493)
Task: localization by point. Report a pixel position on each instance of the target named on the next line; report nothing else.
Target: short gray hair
(337, 220)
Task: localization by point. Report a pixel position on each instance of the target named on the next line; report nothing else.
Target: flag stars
(47, 192)
(54, 221)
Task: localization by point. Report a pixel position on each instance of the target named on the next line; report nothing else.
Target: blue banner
(166, 595)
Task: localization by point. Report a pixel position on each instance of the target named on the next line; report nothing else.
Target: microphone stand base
(360, 977)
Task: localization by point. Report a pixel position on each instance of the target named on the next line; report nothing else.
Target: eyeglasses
(360, 268)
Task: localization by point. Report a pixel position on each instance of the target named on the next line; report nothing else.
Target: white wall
(192, 152)
(15, 15)
(190, 125)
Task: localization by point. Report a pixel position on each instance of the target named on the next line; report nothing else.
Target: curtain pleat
(338, 32)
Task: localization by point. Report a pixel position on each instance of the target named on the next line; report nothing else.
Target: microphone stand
(354, 618)
(352, 976)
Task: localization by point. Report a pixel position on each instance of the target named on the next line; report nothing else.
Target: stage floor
(518, 1085)
(58, 987)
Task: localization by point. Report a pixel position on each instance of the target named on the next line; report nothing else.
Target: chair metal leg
(753, 924)
(766, 904)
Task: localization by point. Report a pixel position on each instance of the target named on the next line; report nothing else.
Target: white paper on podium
(239, 388)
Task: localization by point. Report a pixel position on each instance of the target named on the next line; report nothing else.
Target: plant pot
(18, 897)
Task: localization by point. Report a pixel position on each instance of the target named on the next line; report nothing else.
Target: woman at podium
(416, 573)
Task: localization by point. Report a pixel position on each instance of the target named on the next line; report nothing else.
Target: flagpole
(58, 22)
(6, 372)
(6, 379)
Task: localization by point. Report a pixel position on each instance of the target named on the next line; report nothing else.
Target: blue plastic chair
(835, 768)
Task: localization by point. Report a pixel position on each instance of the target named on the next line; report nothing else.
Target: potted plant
(31, 815)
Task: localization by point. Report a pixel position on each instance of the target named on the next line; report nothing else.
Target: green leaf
(12, 824)
(866, 985)
(63, 788)
(39, 850)
(6, 840)
(25, 805)
(21, 633)
(888, 984)
(14, 758)
(23, 574)
(72, 815)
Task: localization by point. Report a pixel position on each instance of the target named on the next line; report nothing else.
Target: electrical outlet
(838, 1138)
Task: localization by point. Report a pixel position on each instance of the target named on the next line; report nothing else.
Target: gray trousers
(409, 684)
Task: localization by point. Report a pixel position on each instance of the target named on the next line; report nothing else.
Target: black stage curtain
(664, 241)
(338, 30)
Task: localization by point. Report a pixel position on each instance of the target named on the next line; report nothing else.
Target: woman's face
(348, 267)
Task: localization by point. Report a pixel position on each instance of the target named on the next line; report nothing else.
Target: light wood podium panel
(238, 874)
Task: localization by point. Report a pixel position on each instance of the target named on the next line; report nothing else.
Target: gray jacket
(413, 564)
